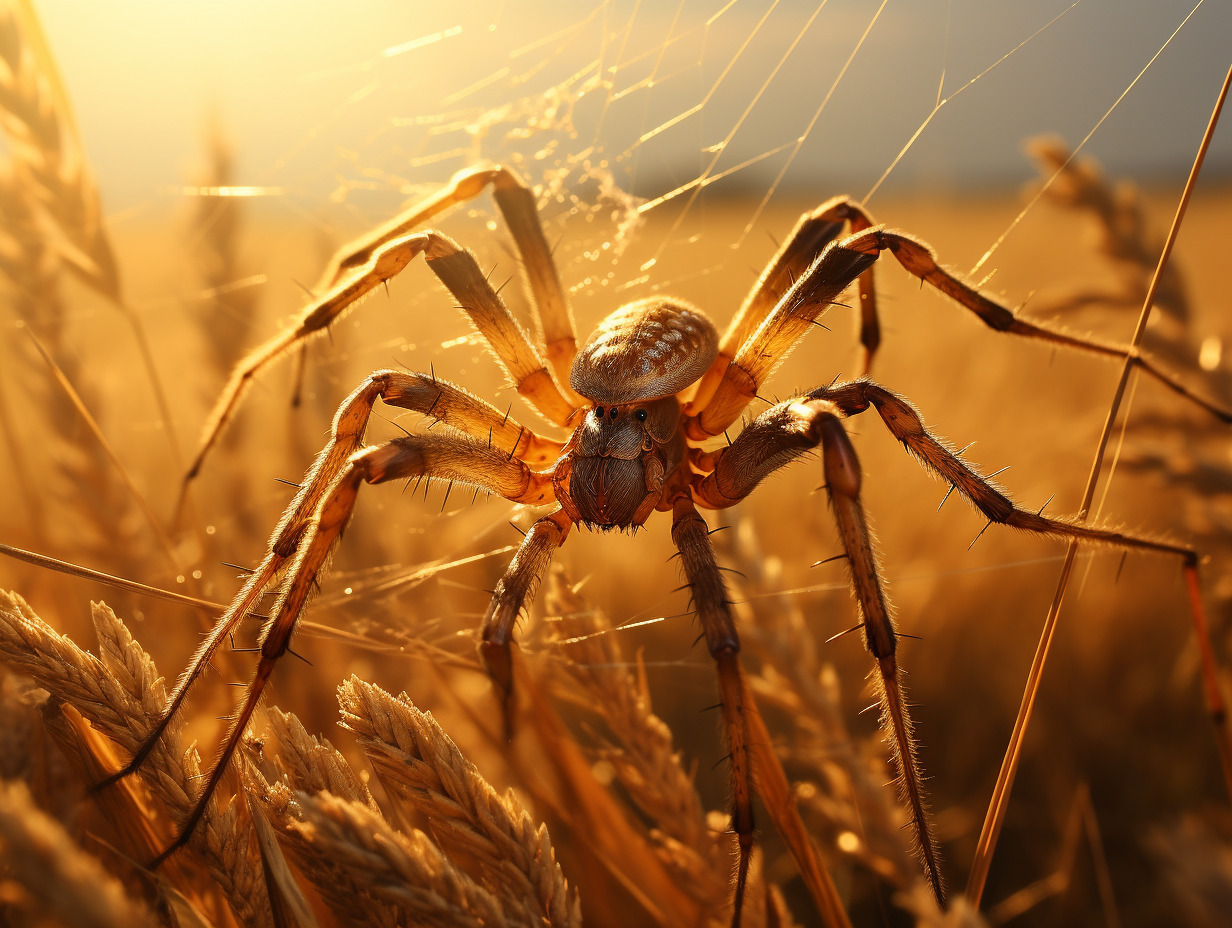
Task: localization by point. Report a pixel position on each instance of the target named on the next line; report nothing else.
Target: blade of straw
(1009, 766)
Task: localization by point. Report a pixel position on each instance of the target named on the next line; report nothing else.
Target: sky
(370, 99)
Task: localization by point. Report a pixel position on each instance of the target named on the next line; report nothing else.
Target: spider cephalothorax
(616, 466)
(640, 400)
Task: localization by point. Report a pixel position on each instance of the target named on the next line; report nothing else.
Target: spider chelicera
(641, 400)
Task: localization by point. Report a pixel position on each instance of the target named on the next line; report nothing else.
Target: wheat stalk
(225, 309)
(310, 765)
(50, 162)
(313, 764)
(81, 468)
(1122, 234)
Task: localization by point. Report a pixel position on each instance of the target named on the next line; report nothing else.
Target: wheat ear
(121, 694)
(417, 761)
(53, 875)
(642, 751)
(37, 118)
(371, 873)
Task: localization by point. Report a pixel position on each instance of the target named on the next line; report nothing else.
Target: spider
(641, 400)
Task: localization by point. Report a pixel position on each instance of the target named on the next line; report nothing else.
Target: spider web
(620, 112)
(666, 142)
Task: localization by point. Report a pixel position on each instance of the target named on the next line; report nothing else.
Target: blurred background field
(1119, 743)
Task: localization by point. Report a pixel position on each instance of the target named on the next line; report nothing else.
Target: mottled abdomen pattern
(645, 350)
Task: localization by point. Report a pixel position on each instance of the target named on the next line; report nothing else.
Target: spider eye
(598, 412)
(641, 415)
(612, 412)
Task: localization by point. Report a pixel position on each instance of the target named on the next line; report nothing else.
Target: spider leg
(788, 430)
(325, 498)
(841, 263)
(457, 269)
(517, 206)
(351, 257)
(769, 344)
(813, 231)
(905, 424)
(349, 425)
(459, 409)
(691, 536)
(921, 261)
(512, 595)
(772, 440)
(446, 457)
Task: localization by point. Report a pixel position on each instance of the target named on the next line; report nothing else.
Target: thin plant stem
(1009, 766)
(92, 424)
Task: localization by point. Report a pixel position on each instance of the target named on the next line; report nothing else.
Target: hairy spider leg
(448, 457)
(713, 609)
(772, 440)
(904, 422)
(920, 260)
(558, 336)
(835, 268)
(458, 271)
(769, 344)
(486, 455)
(513, 594)
(790, 429)
(814, 230)
(460, 409)
(517, 206)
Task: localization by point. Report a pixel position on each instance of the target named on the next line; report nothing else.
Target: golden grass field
(1119, 814)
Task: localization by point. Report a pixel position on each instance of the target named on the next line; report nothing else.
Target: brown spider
(641, 398)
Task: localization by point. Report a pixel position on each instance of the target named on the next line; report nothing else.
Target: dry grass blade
(416, 760)
(290, 907)
(122, 695)
(96, 431)
(119, 583)
(780, 804)
(80, 470)
(46, 873)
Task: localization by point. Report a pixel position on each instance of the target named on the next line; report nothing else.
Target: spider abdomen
(645, 350)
